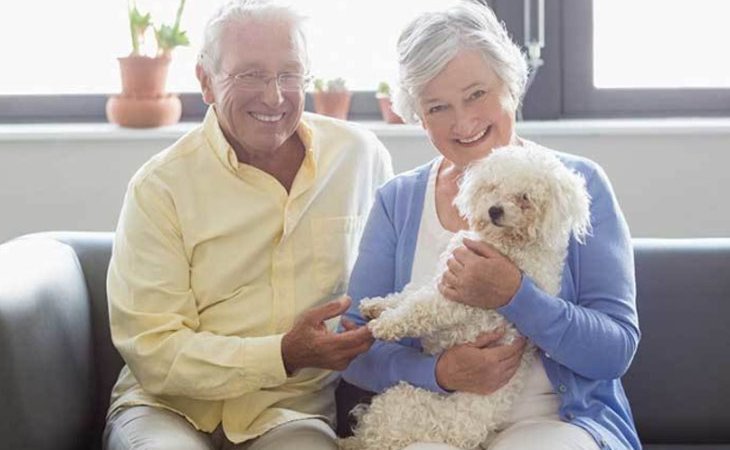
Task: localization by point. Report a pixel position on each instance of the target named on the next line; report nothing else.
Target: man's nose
(271, 95)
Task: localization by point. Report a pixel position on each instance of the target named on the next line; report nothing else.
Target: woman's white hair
(432, 40)
(239, 11)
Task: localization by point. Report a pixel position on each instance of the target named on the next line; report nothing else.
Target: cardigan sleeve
(597, 335)
(386, 363)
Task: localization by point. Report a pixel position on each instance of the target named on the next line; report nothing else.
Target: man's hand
(480, 276)
(311, 344)
(480, 367)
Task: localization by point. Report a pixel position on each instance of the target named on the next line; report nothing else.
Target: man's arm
(155, 322)
(154, 317)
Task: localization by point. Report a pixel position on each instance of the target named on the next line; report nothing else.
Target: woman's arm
(597, 336)
(385, 364)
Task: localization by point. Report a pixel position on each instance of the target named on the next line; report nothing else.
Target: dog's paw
(372, 308)
(383, 330)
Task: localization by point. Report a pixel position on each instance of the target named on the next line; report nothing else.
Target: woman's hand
(480, 276)
(480, 367)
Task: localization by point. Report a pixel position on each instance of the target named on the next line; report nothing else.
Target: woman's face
(462, 110)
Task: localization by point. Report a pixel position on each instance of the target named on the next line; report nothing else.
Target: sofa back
(679, 381)
(678, 384)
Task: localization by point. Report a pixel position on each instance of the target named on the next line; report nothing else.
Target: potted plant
(386, 105)
(144, 101)
(332, 99)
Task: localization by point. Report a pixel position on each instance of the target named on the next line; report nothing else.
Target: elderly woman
(462, 78)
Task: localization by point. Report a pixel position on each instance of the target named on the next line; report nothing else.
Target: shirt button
(547, 355)
(562, 388)
(602, 443)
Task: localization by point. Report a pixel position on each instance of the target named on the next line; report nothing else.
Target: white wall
(671, 180)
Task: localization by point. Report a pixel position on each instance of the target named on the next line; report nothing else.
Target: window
(64, 69)
(682, 49)
(644, 58)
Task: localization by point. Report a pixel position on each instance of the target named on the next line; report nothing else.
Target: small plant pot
(144, 77)
(143, 112)
(333, 104)
(386, 110)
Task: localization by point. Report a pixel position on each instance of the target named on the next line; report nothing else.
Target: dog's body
(539, 203)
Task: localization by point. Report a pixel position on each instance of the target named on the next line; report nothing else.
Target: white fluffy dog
(525, 203)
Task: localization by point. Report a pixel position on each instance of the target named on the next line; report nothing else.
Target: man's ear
(205, 84)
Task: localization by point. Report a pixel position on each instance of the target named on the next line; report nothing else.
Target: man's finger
(350, 338)
(329, 310)
(348, 324)
(480, 248)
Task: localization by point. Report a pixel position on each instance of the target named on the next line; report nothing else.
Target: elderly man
(247, 222)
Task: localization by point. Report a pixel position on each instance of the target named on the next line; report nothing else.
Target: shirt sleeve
(154, 315)
(386, 363)
(596, 336)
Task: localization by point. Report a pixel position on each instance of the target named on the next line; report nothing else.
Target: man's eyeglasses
(258, 81)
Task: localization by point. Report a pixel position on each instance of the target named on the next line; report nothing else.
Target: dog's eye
(525, 198)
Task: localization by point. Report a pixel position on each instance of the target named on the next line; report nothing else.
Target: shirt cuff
(263, 355)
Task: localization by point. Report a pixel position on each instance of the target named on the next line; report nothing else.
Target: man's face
(256, 120)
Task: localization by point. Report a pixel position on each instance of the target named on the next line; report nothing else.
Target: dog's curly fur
(541, 202)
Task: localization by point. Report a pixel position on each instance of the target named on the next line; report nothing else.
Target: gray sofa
(57, 363)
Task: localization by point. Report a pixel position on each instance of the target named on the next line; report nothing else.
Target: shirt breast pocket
(335, 241)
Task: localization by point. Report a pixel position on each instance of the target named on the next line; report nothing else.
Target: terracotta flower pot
(144, 102)
(136, 112)
(386, 109)
(144, 77)
(333, 104)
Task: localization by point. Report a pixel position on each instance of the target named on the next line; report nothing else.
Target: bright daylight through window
(661, 44)
(351, 39)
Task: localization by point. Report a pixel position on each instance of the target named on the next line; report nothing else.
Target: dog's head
(522, 195)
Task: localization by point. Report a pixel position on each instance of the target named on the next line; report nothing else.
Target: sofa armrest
(46, 374)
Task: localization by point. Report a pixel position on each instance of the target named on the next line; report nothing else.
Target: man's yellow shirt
(212, 262)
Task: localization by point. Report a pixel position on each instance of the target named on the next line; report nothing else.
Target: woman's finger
(450, 279)
(448, 291)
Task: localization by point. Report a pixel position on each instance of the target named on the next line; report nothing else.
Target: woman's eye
(477, 94)
(437, 108)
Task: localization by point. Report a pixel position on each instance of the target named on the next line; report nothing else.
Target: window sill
(588, 127)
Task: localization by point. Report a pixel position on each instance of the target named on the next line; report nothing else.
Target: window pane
(661, 44)
(70, 47)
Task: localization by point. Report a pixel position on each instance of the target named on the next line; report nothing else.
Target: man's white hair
(240, 11)
(432, 40)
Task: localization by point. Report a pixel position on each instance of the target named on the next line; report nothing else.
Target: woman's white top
(538, 398)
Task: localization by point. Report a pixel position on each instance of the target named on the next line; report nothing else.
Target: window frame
(563, 87)
(582, 100)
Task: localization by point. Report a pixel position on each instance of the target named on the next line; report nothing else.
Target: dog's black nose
(495, 212)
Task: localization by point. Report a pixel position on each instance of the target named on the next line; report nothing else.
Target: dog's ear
(571, 203)
(469, 191)
(577, 204)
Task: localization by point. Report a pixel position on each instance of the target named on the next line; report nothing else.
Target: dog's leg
(419, 314)
(372, 308)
